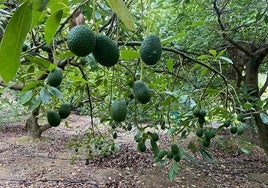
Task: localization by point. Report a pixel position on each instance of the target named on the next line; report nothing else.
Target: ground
(48, 162)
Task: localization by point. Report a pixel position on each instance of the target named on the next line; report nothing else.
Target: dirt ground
(48, 163)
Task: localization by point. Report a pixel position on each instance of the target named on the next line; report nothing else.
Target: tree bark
(34, 129)
(252, 70)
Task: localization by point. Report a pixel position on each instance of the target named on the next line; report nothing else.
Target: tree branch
(262, 51)
(44, 127)
(13, 87)
(89, 96)
(234, 43)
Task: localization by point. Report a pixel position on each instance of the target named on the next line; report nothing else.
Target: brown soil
(48, 163)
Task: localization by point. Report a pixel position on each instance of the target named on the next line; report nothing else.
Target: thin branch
(234, 43)
(111, 20)
(13, 87)
(62, 25)
(88, 94)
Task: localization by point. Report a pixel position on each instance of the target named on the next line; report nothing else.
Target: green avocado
(119, 110)
(64, 110)
(141, 147)
(233, 129)
(151, 50)
(54, 78)
(106, 51)
(142, 92)
(175, 149)
(81, 40)
(53, 118)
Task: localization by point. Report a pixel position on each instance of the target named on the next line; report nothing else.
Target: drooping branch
(225, 36)
(89, 96)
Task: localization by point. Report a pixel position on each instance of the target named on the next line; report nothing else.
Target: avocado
(142, 92)
(119, 110)
(64, 110)
(53, 118)
(54, 78)
(106, 51)
(151, 50)
(81, 40)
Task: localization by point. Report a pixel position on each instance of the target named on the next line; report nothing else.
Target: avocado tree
(134, 69)
(209, 28)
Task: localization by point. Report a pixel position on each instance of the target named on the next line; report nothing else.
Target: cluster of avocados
(206, 134)
(235, 129)
(82, 41)
(200, 114)
(54, 117)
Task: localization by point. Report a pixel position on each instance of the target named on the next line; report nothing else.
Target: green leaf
(264, 118)
(39, 61)
(44, 95)
(172, 38)
(40, 5)
(31, 85)
(245, 150)
(25, 97)
(170, 65)
(247, 106)
(52, 25)
(213, 52)
(206, 155)
(54, 91)
(173, 171)
(203, 57)
(35, 102)
(55, 5)
(36, 15)
(129, 54)
(211, 91)
(18, 27)
(226, 59)
(119, 7)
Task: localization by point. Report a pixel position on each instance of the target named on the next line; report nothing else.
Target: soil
(48, 162)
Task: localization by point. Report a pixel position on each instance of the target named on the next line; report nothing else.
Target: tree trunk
(252, 70)
(34, 129)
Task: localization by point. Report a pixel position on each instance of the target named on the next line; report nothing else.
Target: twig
(62, 25)
(89, 96)
(234, 43)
